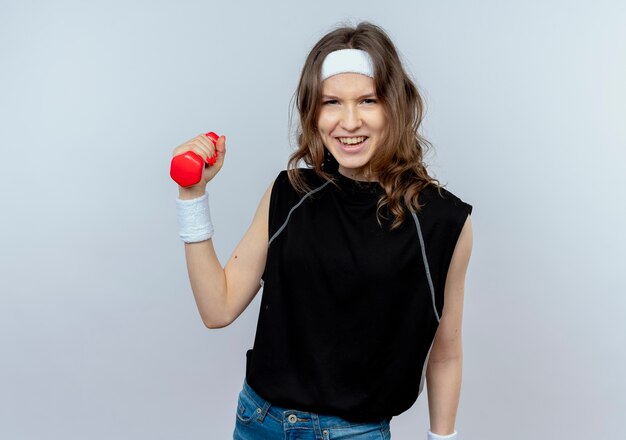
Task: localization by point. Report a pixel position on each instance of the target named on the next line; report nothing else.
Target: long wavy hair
(398, 163)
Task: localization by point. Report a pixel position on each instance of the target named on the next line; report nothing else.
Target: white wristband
(194, 219)
(433, 436)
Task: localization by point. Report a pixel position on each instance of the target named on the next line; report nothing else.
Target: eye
(370, 101)
(329, 101)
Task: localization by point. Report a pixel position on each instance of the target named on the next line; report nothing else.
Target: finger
(184, 147)
(221, 150)
(200, 140)
(197, 147)
(200, 151)
(198, 144)
(205, 147)
(208, 143)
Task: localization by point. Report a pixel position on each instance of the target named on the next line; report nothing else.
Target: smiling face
(351, 121)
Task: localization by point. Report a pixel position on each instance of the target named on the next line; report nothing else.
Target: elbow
(445, 353)
(216, 318)
(446, 360)
(216, 324)
(446, 356)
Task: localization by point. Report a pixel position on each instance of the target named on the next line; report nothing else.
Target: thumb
(221, 144)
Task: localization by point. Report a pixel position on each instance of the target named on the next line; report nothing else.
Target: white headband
(347, 61)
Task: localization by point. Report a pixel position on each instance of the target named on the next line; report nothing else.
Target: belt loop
(262, 412)
(316, 426)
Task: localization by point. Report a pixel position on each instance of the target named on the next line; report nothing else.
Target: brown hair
(398, 162)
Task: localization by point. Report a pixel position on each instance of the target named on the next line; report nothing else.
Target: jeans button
(292, 418)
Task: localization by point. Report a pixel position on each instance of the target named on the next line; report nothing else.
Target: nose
(350, 118)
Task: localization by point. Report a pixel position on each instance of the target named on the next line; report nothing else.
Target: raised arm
(222, 293)
(444, 371)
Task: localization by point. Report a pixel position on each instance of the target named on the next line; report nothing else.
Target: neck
(363, 174)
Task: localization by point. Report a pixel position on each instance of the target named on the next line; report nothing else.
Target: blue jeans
(258, 419)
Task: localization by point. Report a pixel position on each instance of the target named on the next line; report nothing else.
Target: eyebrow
(367, 95)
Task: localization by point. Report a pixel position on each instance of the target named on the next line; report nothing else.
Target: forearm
(208, 283)
(206, 274)
(443, 378)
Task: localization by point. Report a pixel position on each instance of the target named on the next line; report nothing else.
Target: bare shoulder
(463, 249)
(447, 342)
(459, 263)
(455, 279)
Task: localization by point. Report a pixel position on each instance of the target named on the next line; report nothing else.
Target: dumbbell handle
(186, 169)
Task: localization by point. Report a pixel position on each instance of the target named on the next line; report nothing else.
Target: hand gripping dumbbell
(186, 169)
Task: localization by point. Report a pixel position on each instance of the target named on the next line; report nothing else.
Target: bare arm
(222, 294)
(444, 371)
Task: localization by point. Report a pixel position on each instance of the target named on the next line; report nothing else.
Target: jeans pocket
(362, 431)
(247, 408)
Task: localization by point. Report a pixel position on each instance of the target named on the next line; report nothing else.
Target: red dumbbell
(186, 169)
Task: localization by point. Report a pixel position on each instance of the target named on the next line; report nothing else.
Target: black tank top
(349, 309)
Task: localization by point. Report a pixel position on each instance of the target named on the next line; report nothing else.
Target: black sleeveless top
(349, 308)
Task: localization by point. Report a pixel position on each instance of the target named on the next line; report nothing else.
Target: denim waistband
(280, 413)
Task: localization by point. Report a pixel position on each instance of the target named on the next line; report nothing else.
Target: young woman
(361, 254)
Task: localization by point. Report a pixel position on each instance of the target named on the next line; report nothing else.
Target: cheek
(324, 124)
(381, 122)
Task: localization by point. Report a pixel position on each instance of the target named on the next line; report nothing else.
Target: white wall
(99, 332)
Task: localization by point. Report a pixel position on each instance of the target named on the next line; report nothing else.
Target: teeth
(352, 140)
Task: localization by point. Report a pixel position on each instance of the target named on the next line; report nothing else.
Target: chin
(353, 164)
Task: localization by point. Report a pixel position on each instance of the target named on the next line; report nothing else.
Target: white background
(99, 334)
